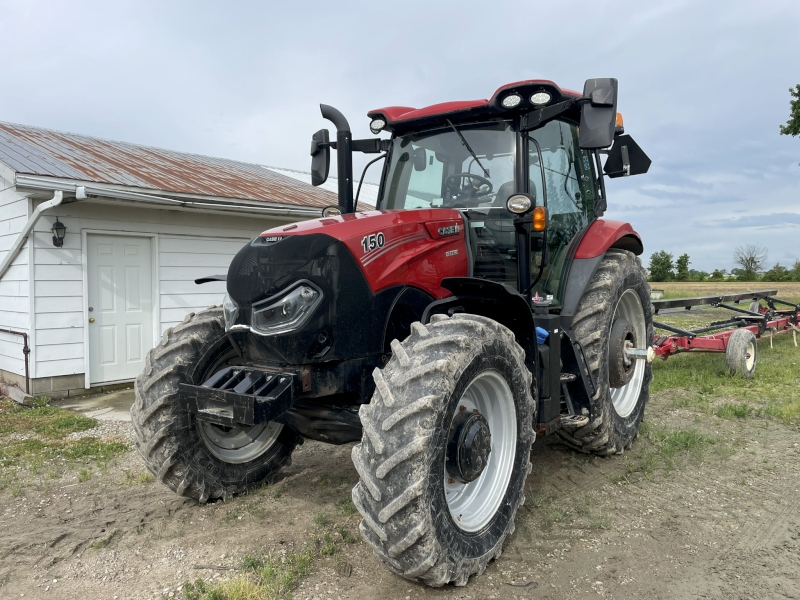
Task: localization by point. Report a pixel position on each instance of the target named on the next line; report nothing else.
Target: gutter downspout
(58, 196)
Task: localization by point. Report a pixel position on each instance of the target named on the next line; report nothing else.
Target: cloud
(770, 220)
(703, 87)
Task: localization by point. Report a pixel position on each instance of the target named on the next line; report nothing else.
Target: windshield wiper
(469, 149)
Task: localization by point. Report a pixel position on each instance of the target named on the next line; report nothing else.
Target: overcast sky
(703, 88)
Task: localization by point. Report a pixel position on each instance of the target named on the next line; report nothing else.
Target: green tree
(751, 258)
(792, 126)
(777, 273)
(719, 275)
(661, 266)
(682, 267)
(697, 275)
(794, 274)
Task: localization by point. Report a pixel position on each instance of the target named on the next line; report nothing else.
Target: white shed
(141, 224)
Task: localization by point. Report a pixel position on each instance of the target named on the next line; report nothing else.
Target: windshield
(473, 168)
(436, 168)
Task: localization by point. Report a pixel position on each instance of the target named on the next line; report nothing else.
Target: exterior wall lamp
(59, 231)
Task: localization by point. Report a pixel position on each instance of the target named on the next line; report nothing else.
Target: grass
(660, 448)
(259, 578)
(347, 537)
(347, 507)
(322, 519)
(547, 510)
(46, 421)
(36, 439)
(103, 542)
(136, 477)
(704, 381)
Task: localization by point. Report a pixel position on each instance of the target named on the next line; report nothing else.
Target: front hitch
(237, 396)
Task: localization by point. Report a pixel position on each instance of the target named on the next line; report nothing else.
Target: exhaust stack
(344, 156)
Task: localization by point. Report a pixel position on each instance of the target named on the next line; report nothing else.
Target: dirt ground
(722, 523)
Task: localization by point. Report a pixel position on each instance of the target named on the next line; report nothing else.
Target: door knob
(91, 319)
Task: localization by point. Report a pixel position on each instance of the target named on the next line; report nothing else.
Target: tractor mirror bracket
(320, 157)
(598, 113)
(626, 158)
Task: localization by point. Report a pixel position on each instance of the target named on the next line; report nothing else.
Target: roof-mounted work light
(511, 101)
(540, 98)
(377, 125)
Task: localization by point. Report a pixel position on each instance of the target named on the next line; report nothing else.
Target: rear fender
(598, 238)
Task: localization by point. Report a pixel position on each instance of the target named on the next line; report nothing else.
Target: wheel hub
(620, 366)
(468, 447)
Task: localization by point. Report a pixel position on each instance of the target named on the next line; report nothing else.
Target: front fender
(495, 301)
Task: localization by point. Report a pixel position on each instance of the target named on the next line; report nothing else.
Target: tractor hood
(361, 268)
(390, 247)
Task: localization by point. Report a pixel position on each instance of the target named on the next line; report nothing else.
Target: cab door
(566, 172)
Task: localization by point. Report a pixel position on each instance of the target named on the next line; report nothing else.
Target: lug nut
(462, 408)
(476, 411)
(451, 480)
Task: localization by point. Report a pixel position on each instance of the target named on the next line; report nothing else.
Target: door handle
(91, 319)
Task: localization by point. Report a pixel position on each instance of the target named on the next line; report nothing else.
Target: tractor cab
(472, 167)
(500, 163)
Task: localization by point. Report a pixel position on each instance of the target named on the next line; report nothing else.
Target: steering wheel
(468, 186)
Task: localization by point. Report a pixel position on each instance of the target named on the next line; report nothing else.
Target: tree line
(751, 260)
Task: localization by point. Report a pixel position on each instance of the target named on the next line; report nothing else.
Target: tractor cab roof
(512, 98)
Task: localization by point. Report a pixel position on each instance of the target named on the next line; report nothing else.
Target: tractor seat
(505, 191)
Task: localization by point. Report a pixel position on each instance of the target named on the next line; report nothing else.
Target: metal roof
(368, 195)
(45, 152)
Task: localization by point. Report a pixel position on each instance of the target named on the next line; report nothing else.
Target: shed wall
(14, 292)
(189, 245)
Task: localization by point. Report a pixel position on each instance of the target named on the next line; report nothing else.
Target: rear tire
(421, 522)
(197, 460)
(742, 353)
(618, 290)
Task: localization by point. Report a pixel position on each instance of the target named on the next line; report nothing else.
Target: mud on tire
(168, 437)
(401, 459)
(608, 432)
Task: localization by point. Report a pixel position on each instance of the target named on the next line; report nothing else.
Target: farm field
(706, 504)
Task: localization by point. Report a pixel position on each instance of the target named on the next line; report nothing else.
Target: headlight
(230, 310)
(288, 312)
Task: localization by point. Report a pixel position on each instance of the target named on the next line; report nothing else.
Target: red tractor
(482, 302)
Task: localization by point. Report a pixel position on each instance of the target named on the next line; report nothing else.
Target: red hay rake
(724, 336)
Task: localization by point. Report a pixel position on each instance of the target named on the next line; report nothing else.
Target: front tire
(616, 302)
(424, 521)
(196, 459)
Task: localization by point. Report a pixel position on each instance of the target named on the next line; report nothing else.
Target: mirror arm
(534, 119)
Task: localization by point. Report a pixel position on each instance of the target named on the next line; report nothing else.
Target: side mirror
(626, 158)
(420, 159)
(598, 113)
(320, 157)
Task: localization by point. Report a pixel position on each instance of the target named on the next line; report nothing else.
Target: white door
(120, 306)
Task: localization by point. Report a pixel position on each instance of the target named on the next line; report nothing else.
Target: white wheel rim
(472, 505)
(236, 445)
(750, 357)
(625, 398)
